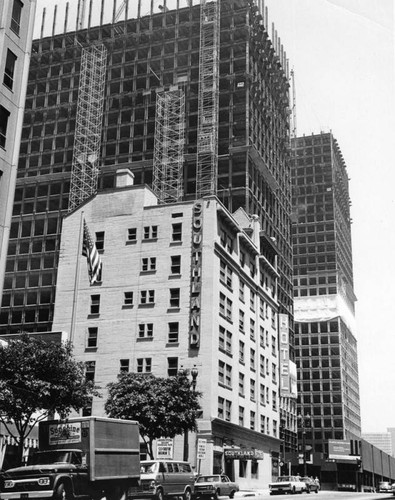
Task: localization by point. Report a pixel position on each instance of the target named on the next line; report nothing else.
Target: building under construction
(217, 64)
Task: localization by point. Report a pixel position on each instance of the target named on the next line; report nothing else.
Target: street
(322, 495)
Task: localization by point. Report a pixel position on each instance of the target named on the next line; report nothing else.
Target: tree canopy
(164, 407)
(37, 379)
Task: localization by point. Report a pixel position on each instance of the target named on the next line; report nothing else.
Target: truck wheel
(159, 495)
(63, 493)
(293, 490)
(188, 494)
(232, 494)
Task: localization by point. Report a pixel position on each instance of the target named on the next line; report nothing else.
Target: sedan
(214, 486)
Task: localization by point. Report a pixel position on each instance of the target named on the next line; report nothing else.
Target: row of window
(146, 297)
(145, 331)
(226, 311)
(143, 365)
(224, 412)
(225, 375)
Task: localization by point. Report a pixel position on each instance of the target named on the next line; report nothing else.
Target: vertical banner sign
(196, 275)
(284, 355)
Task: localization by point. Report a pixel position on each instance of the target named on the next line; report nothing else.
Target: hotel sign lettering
(196, 275)
(284, 355)
(244, 454)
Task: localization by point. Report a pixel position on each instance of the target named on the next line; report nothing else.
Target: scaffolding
(169, 145)
(208, 97)
(87, 139)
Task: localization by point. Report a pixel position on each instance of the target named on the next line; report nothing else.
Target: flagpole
(76, 281)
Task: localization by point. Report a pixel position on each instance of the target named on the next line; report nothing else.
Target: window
(241, 290)
(262, 336)
(150, 232)
(224, 374)
(4, 115)
(241, 352)
(100, 240)
(147, 297)
(252, 420)
(252, 359)
(148, 264)
(144, 365)
(173, 333)
(261, 308)
(91, 341)
(172, 367)
(252, 300)
(274, 400)
(176, 232)
(123, 365)
(128, 299)
(132, 234)
(252, 329)
(146, 330)
(241, 320)
(9, 69)
(274, 352)
(224, 409)
(262, 365)
(174, 297)
(95, 304)
(274, 374)
(263, 424)
(225, 306)
(241, 384)
(225, 274)
(241, 415)
(175, 264)
(262, 394)
(242, 259)
(90, 370)
(225, 340)
(16, 16)
(252, 389)
(274, 428)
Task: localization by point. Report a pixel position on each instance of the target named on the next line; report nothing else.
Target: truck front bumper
(26, 495)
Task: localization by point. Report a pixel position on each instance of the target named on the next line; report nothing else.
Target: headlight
(44, 481)
(9, 484)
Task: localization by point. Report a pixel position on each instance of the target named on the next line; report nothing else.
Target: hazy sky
(342, 52)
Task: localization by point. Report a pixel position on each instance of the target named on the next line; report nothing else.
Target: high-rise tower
(16, 33)
(148, 55)
(325, 333)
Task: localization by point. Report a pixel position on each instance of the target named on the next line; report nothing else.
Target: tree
(37, 379)
(163, 407)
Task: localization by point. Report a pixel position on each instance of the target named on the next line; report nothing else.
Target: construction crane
(208, 99)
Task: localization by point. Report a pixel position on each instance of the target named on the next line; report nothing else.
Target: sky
(342, 53)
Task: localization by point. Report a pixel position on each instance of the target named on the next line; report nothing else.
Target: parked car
(215, 485)
(287, 484)
(311, 484)
(385, 487)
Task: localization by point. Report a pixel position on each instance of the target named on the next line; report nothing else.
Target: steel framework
(87, 139)
(169, 146)
(208, 97)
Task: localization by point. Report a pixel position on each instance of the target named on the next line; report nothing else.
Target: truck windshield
(50, 457)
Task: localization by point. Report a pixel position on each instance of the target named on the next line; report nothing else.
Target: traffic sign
(201, 449)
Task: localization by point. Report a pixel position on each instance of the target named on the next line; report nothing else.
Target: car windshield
(208, 479)
(50, 457)
(284, 478)
(148, 467)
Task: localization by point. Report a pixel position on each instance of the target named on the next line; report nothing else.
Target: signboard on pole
(164, 449)
(201, 449)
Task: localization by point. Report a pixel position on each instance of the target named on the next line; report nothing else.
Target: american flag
(92, 255)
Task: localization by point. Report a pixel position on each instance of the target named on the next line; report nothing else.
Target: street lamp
(194, 373)
(304, 421)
